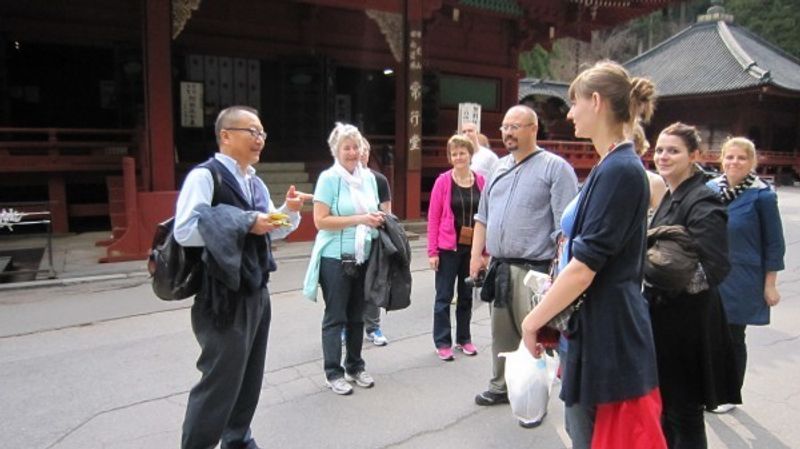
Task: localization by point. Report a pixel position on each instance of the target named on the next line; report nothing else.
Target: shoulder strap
(512, 169)
(216, 178)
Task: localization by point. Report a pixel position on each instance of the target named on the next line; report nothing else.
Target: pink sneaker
(445, 353)
(468, 349)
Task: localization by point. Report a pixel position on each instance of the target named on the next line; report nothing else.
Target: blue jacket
(756, 246)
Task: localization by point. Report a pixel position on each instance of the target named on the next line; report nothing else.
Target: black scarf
(728, 194)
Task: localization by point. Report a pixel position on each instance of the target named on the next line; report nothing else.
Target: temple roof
(536, 86)
(713, 57)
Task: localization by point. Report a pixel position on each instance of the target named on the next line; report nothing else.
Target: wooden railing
(30, 153)
(63, 149)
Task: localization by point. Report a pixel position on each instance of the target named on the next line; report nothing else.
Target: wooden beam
(157, 35)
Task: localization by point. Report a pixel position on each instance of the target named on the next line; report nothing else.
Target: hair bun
(643, 98)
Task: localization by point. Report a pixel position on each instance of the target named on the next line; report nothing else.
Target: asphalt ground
(101, 363)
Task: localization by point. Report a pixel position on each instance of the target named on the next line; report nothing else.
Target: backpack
(176, 270)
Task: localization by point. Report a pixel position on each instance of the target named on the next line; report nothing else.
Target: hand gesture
(434, 263)
(262, 225)
(295, 199)
(372, 219)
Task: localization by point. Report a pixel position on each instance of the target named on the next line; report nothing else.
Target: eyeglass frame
(254, 133)
(514, 127)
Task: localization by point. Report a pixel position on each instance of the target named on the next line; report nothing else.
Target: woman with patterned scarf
(755, 236)
(346, 215)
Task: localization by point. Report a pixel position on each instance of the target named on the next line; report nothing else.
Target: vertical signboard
(469, 113)
(191, 105)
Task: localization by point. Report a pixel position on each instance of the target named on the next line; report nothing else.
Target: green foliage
(777, 21)
(536, 63)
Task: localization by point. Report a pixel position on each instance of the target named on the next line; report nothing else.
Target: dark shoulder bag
(177, 270)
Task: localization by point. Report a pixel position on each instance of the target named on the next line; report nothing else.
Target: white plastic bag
(528, 381)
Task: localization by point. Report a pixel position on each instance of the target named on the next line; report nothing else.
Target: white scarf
(356, 183)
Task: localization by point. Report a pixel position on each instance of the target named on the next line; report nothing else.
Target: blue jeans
(453, 267)
(578, 419)
(344, 309)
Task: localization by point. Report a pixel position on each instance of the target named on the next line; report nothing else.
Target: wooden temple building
(104, 106)
(728, 81)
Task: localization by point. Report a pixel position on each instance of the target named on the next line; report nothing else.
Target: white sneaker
(362, 379)
(377, 338)
(339, 386)
(723, 408)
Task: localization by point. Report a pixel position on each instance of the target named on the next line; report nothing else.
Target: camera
(349, 265)
(477, 281)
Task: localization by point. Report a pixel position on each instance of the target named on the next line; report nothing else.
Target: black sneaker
(491, 398)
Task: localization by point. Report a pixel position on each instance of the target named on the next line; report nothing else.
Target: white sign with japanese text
(469, 113)
(191, 105)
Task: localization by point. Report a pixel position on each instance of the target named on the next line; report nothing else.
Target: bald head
(519, 128)
(527, 112)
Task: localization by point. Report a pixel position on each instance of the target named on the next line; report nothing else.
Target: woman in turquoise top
(346, 215)
(756, 246)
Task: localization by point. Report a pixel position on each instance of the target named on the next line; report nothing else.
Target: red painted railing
(35, 155)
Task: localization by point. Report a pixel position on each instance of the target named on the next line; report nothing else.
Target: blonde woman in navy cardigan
(756, 246)
(454, 202)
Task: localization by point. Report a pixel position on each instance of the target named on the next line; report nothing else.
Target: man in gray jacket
(518, 222)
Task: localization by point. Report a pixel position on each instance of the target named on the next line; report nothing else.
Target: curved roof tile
(715, 57)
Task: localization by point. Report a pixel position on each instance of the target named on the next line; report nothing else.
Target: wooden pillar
(412, 68)
(157, 41)
(57, 199)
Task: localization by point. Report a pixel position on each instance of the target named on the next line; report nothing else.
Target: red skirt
(631, 424)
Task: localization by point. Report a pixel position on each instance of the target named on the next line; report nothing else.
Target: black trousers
(684, 427)
(344, 309)
(222, 404)
(739, 351)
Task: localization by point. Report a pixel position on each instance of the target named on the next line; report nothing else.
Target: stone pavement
(106, 365)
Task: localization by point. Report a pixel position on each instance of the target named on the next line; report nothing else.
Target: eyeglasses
(254, 133)
(513, 127)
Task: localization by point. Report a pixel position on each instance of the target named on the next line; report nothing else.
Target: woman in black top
(454, 202)
(693, 346)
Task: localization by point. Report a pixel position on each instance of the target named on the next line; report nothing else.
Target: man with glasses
(483, 158)
(518, 221)
(225, 208)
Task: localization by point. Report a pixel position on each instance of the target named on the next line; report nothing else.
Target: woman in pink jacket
(454, 202)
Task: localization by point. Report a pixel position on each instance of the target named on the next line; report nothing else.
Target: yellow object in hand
(279, 219)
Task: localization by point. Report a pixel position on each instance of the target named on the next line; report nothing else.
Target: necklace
(463, 181)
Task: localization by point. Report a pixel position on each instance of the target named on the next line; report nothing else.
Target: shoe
(468, 349)
(377, 338)
(339, 386)
(361, 378)
(532, 424)
(723, 409)
(491, 398)
(445, 353)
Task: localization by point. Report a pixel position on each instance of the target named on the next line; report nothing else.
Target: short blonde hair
(741, 142)
(459, 141)
(341, 132)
